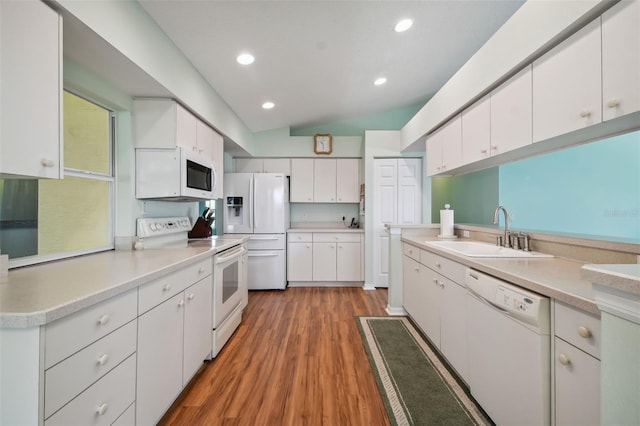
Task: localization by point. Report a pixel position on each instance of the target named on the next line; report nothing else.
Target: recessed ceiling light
(245, 59)
(380, 81)
(403, 25)
(268, 105)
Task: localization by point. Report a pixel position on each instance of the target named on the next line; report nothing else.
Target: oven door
(227, 283)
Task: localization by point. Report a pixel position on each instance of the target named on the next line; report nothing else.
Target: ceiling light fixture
(380, 81)
(268, 105)
(245, 59)
(403, 25)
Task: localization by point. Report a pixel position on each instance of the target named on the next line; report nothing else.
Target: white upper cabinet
(324, 181)
(301, 180)
(511, 113)
(30, 90)
(621, 59)
(444, 147)
(567, 85)
(186, 132)
(211, 145)
(348, 180)
(476, 131)
(263, 165)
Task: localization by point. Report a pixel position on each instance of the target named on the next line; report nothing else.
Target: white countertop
(318, 230)
(624, 277)
(36, 295)
(556, 278)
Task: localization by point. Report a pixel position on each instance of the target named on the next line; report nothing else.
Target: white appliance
(174, 174)
(229, 287)
(509, 344)
(258, 205)
(227, 294)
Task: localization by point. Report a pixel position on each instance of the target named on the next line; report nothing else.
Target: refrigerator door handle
(251, 197)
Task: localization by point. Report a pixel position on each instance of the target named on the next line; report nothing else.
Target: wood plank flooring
(296, 359)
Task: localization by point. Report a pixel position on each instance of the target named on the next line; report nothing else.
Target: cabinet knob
(190, 296)
(585, 113)
(584, 332)
(613, 103)
(103, 359)
(47, 163)
(103, 320)
(564, 360)
(167, 287)
(181, 303)
(494, 147)
(483, 151)
(435, 281)
(102, 408)
(437, 264)
(200, 271)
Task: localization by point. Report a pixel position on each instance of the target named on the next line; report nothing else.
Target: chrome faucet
(505, 240)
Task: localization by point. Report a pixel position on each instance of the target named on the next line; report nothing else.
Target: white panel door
(409, 191)
(385, 201)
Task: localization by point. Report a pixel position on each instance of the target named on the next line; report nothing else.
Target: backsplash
(323, 212)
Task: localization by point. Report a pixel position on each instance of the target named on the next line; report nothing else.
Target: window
(43, 220)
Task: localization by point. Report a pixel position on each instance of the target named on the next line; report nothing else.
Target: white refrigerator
(258, 204)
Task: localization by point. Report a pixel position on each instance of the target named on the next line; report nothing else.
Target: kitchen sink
(479, 249)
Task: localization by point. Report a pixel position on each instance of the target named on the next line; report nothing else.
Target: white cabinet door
(324, 181)
(433, 283)
(348, 180)
(204, 139)
(300, 261)
(414, 289)
(218, 162)
(621, 59)
(324, 261)
(577, 386)
(511, 113)
(277, 165)
(348, 262)
(30, 90)
(453, 334)
(249, 165)
(186, 128)
(301, 180)
(444, 147)
(159, 371)
(198, 326)
(567, 83)
(476, 131)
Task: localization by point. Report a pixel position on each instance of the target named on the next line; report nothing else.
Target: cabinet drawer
(267, 242)
(158, 291)
(103, 402)
(68, 378)
(127, 418)
(72, 333)
(300, 237)
(331, 237)
(579, 328)
(412, 251)
(450, 269)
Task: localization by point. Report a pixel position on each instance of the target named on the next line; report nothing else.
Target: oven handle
(263, 254)
(237, 252)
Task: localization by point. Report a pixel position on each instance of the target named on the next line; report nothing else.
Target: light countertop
(557, 278)
(319, 230)
(36, 295)
(624, 277)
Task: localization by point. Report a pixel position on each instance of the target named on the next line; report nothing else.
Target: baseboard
(325, 284)
(395, 312)
(368, 286)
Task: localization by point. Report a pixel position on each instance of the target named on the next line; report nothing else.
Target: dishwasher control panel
(529, 308)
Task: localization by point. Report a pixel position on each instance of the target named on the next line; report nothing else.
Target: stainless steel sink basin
(478, 249)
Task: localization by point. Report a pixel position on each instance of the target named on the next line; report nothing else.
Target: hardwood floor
(296, 359)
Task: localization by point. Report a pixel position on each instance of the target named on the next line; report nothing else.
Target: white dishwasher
(509, 350)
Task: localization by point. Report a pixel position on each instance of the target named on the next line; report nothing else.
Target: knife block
(200, 229)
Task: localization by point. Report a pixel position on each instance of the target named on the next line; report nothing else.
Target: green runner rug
(416, 387)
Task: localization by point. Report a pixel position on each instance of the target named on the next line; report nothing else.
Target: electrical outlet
(465, 234)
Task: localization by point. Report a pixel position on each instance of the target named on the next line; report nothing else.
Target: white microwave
(174, 174)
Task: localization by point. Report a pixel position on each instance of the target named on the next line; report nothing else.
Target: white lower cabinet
(436, 303)
(174, 338)
(324, 257)
(576, 366)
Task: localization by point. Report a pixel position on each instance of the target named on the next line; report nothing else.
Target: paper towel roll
(446, 222)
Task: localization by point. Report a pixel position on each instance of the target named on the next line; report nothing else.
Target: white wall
(130, 30)
(528, 33)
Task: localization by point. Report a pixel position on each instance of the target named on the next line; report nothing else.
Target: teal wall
(473, 197)
(591, 189)
(394, 119)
